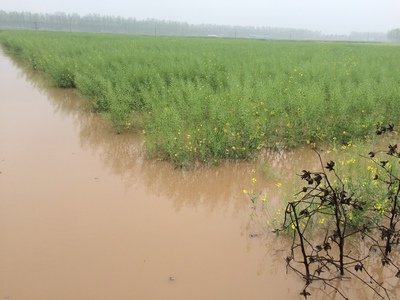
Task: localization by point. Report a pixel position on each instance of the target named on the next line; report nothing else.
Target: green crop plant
(204, 100)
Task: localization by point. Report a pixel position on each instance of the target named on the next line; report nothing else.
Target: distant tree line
(394, 35)
(98, 23)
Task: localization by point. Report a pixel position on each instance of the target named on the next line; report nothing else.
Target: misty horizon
(113, 24)
(339, 18)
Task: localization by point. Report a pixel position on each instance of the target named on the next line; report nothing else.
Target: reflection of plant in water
(331, 212)
(264, 199)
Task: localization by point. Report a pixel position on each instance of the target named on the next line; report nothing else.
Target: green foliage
(204, 100)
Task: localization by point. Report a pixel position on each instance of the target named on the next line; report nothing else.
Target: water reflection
(210, 188)
(123, 154)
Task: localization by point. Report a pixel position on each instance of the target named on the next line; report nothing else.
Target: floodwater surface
(83, 214)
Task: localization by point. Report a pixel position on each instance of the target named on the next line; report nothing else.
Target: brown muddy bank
(84, 216)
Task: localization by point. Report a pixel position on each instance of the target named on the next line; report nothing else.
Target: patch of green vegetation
(200, 99)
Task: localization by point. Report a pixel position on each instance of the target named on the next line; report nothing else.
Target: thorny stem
(392, 223)
(303, 250)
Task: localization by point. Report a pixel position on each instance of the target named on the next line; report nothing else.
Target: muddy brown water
(83, 214)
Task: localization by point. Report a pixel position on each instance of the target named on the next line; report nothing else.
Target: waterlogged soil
(83, 214)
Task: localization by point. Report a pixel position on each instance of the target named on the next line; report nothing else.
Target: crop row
(200, 99)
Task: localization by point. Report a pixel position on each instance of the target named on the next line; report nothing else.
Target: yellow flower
(245, 192)
(379, 207)
(254, 180)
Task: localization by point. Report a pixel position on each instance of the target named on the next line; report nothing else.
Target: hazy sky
(328, 16)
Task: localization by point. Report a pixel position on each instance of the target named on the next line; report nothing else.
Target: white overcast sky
(328, 16)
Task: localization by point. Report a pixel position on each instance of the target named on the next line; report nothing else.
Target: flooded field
(83, 214)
